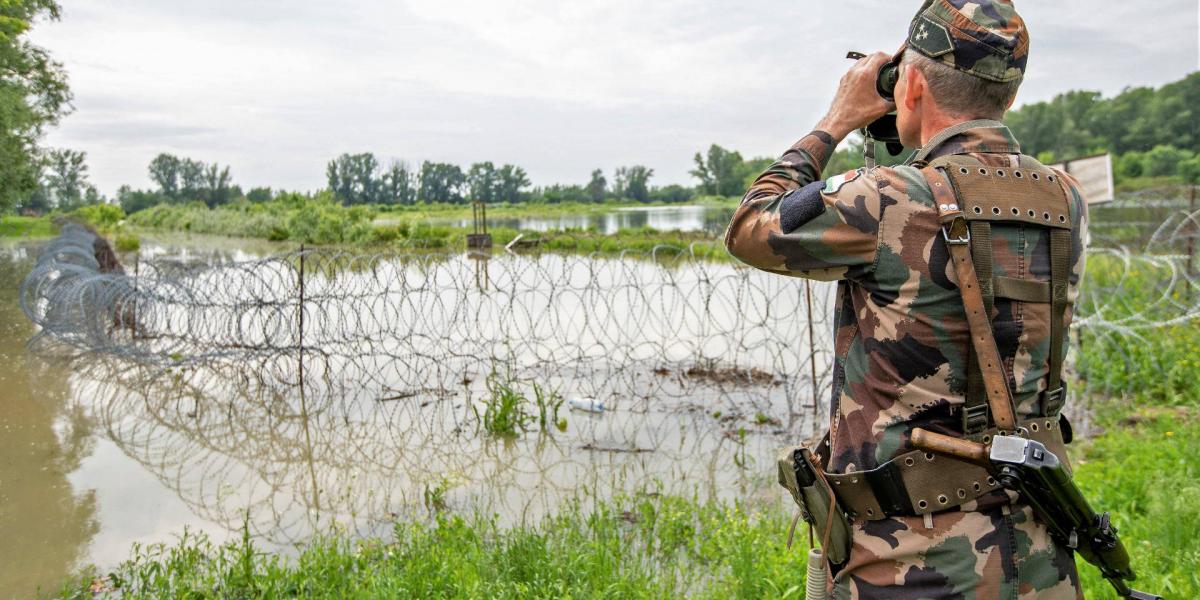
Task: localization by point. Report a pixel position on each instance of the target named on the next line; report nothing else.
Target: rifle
(1030, 469)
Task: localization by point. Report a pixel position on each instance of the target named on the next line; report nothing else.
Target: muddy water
(99, 451)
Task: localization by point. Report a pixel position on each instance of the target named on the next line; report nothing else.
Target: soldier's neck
(934, 124)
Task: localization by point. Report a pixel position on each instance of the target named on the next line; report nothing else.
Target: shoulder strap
(957, 236)
(975, 404)
(944, 135)
(1060, 268)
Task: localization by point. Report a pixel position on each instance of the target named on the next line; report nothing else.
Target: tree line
(1153, 133)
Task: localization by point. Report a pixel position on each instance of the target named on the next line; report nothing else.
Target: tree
(186, 180)
(556, 194)
(398, 185)
(191, 180)
(1189, 170)
(672, 193)
(1079, 123)
(218, 186)
(634, 182)
(597, 188)
(164, 171)
(353, 178)
(511, 183)
(132, 200)
(65, 178)
(721, 172)
(483, 182)
(259, 194)
(33, 96)
(440, 182)
(1164, 160)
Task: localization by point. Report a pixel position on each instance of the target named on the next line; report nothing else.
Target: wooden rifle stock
(972, 452)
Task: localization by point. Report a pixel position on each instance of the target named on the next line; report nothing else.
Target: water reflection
(663, 218)
(233, 440)
(242, 396)
(45, 522)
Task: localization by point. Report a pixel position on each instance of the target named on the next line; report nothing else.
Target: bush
(1165, 160)
(127, 243)
(100, 216)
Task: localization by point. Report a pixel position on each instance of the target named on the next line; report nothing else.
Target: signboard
(1095, 176)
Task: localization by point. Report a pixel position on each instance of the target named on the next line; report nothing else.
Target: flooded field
(663, 218)
(243, 399)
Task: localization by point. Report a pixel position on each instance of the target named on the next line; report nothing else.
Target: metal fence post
(812, 344)
(300, 317)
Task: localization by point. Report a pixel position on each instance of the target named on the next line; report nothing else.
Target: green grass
(1143, 466)
(645, 547)
(1144, 470)
(509, 412)
(17, 227)
(321, 221)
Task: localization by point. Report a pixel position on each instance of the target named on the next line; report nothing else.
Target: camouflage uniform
(901, 334)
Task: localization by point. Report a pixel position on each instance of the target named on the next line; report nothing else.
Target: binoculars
(884, 129)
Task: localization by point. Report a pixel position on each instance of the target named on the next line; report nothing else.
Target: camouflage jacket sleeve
(791, 223)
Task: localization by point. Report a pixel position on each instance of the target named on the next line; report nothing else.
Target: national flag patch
(835, 183)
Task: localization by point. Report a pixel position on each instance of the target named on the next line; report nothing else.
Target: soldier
(904, 357)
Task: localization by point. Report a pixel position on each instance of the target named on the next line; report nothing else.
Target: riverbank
(13, 226)
(431, 227)
(1143, 469)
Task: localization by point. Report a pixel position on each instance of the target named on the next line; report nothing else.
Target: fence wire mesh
(322, 386)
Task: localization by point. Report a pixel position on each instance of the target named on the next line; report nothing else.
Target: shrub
(100, 216)
(126, 242)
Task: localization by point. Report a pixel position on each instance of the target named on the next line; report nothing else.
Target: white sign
(1095, 176)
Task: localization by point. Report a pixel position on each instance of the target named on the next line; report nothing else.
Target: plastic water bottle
(591, 405)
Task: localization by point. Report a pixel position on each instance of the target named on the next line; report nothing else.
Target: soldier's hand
(857, 103)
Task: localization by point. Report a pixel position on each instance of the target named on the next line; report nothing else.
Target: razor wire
(321, 387)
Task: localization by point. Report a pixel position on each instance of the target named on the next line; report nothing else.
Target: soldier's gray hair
(962, 94)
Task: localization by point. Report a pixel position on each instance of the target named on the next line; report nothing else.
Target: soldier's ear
(915, 87)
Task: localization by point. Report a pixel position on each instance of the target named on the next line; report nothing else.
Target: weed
(126, 242)
(505, 413)
(548, 402)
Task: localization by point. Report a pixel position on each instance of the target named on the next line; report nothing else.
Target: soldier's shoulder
(903, 183)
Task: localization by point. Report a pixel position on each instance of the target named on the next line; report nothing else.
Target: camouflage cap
(986, 38)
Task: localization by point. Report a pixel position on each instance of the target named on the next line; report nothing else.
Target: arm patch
(835, 183)
(801, 206)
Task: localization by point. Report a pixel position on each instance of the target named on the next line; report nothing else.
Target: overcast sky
(276, 88)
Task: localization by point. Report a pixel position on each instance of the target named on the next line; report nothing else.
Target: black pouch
(798, 473)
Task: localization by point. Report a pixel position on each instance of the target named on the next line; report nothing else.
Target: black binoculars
(884, 129)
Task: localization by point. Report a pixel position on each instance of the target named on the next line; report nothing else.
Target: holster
(804, 478)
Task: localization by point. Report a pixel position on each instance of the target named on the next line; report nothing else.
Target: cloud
(276, 88)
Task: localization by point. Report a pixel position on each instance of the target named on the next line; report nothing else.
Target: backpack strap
(957, 235)
(1060, 273)
(975, 418)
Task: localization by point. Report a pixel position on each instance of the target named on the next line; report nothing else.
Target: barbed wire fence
(323, 387)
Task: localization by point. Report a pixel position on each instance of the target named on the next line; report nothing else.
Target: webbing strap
(944, 135)
(975, 416)
(1060, 267)
(957, 235)
(1022, 290)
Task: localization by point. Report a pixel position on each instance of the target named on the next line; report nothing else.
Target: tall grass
(1144, 470)
(509, 412)
(643, 547)
(16, 227)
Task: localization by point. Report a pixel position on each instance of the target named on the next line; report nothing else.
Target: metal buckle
(1053, 396)
(963, 236)
(1052, 400)
(975, 419)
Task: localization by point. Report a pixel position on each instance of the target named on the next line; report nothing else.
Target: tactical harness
(971, 197)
